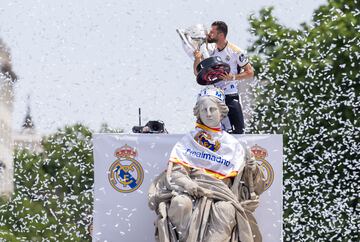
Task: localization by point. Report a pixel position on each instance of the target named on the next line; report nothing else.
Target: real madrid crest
(242, 58)
(205, 139)
(260, 154)
(126, 174)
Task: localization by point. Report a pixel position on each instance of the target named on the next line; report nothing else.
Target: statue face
(210, 113)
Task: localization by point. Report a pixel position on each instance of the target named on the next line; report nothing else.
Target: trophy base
(210, 70)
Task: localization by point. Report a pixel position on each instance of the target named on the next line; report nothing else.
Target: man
(212, 186)
(240, 69)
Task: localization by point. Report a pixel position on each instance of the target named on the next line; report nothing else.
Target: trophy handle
(185, 39)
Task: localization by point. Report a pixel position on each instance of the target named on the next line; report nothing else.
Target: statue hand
(191, 188)
(251, 163)
(203, 192)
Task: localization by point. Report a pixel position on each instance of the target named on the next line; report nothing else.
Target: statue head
(210, 107)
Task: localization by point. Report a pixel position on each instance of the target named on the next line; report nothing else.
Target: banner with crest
(126, 164)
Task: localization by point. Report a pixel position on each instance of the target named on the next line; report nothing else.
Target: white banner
(121, 212)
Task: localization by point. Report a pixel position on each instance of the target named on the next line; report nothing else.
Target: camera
(151, 127)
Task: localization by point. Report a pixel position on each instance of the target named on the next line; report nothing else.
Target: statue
(212, 184)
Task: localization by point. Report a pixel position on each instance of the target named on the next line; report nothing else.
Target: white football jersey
(235, 57)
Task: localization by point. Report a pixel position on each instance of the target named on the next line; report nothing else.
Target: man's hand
(197, 55)
(227, 77)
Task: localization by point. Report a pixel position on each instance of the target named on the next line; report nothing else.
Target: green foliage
(106, 129)
(309, 91)
(53, 197)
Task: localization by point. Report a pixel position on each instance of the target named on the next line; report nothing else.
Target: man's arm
(243, 61)
(248, 73)
(198, 58)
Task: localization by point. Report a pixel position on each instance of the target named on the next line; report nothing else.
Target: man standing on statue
(240, 69)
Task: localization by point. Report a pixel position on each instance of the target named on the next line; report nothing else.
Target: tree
(309, 91)
(105, 128)
(54, 190)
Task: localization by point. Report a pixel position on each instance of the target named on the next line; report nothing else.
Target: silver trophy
(194, 38)
(209, 69)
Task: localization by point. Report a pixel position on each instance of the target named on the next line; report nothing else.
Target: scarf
(211, 149)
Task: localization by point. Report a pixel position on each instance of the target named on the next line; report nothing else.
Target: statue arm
(252, 174)
(181, 179)
(259, 180)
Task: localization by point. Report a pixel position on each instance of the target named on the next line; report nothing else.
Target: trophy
(209, 69)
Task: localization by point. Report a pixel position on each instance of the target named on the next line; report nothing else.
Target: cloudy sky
(99, 61)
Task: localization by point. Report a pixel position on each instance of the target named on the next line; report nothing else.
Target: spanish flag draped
(213, 150)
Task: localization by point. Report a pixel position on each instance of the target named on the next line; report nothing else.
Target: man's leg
(235, 114)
